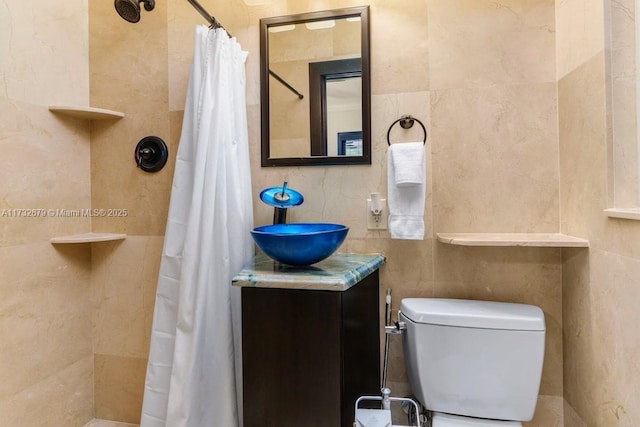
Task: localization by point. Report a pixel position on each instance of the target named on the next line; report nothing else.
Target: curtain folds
(193, 373)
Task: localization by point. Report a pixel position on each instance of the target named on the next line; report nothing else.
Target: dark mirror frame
(316, 117)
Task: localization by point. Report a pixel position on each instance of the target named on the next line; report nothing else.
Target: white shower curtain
(193, 371)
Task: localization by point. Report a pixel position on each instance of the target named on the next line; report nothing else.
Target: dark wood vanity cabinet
(309, 354)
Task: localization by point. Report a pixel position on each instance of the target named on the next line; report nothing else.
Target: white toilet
(474, 363)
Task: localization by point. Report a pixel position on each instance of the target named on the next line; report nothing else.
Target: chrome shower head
(129, 10)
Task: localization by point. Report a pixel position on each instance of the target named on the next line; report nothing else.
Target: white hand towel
(408, 162)
(406, 203)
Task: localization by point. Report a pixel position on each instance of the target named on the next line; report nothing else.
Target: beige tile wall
(45, 167)
(123, 278)
(621, 101)
(128, 66)
(129, 73)
(600, 292)
(46, 360)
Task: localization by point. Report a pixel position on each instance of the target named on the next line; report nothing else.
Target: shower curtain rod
(213, 22)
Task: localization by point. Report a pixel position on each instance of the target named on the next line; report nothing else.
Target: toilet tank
(475, 358)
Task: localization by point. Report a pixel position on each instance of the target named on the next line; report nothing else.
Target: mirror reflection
(315, 88)
(344, 116)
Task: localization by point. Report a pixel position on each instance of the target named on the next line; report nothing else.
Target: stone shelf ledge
(86, 113)
(623, 213)
(543, 240)
(88, 238)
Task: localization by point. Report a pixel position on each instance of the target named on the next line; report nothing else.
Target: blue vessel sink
(299, 243)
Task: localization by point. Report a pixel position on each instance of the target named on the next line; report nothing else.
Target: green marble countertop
(339, 272)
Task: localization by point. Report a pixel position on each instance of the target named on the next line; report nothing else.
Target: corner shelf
(88, 238)
(541, 240)
(86, 113)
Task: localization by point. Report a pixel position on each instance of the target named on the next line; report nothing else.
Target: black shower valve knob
(151, 154)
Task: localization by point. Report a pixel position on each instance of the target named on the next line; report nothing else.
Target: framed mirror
(315, 90)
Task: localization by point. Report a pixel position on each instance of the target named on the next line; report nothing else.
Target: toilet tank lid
(473, 314)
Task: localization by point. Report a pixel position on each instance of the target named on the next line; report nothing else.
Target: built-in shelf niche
(541, 240)
(86, 113)
(87, 238)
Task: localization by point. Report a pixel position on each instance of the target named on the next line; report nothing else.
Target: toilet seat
(441, 419)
